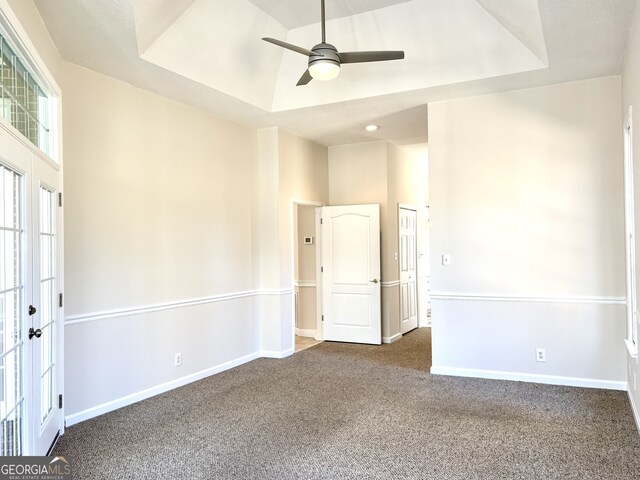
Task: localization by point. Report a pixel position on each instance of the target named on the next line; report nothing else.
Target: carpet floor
(342, 411)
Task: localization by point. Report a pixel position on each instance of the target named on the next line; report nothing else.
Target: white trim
(394, 283)
(125, 312)
(306, 203)
(407, 207)
(319, 275)
(274, 292)
(24, 141)
(391, 339)
(629, 226)
(635, 410)
(530, 377)
(306, 333)
(19, 40)
(274, 354)
(306, 284)
(631, 348)
(528, 298)
(153, 391)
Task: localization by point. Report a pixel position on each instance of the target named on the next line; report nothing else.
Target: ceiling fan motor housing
(325, 53)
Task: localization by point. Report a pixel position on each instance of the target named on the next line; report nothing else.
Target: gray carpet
(350, 411)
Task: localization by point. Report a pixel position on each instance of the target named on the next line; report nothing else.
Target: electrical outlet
(541, 355)
(178, 359)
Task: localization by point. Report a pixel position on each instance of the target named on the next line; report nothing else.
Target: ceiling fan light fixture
(325, 60)
(324, 69)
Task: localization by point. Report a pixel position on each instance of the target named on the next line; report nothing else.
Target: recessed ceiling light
(372, 128)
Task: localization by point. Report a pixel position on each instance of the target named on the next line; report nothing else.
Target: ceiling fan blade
(362, 57)
(289, 46)
(305, 78)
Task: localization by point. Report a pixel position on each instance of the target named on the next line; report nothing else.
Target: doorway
(305, 257)
(408, 266)
(30, 418)
(351, 296)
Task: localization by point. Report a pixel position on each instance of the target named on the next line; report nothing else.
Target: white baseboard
(393, 338)
(153, 391)
(530, 377)
(635, 410)
(424, 323)
(274, 354)
(306, 333)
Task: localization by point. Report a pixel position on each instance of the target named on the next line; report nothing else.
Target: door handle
(32, 310)
(34, 333)
(375, 280)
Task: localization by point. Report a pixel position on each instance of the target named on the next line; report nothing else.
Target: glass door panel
(12, 397)
(47, 373)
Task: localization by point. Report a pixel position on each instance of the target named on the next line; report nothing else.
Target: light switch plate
(446, 259)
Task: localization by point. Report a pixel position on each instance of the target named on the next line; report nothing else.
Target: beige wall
(526, 196)
(158, 210)
(304, 176)
(358, 175)
(305, 270)
(291, 169)
(306, 258)
(407, 180)
(631, 97)
(159, 202)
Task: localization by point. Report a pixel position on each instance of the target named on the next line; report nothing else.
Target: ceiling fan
(325, 60)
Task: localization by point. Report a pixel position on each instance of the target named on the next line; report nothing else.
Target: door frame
(630, 250)
(319, 266)
(292, 235)
(31, 183)
(17, 36)
(405, 206)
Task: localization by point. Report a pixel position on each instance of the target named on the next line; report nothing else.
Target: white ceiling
(306, 12)
(208, 53)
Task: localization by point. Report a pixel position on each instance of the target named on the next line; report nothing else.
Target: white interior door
(408, 228)
(29, 312)
(351, 274)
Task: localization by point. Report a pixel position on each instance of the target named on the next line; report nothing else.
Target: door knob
(32, 310)
(375, 280)
(34, 333)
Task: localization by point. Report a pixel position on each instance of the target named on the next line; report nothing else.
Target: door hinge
(60, 302)
(321, 269)
(60, 401)
(323, 318)
(59, 199)
(321, 221)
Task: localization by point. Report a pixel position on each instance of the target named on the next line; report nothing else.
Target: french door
(29, 311)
